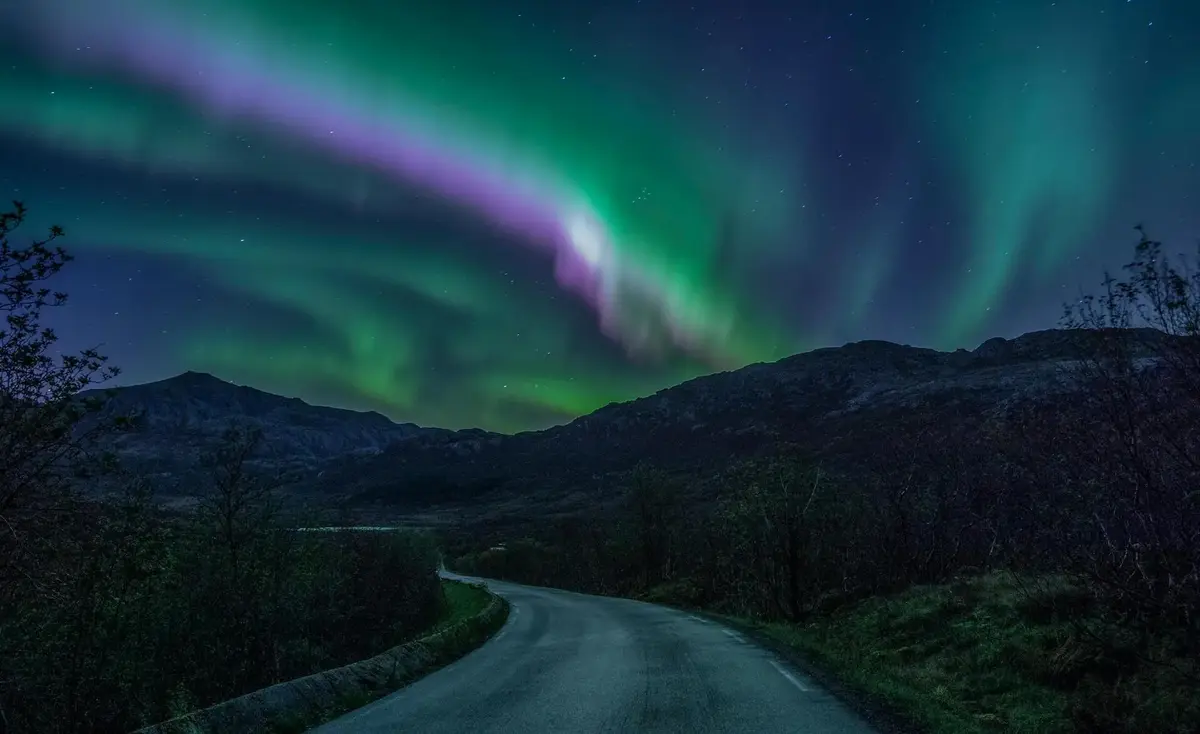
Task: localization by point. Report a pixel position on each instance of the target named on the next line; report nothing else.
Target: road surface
(576, 664)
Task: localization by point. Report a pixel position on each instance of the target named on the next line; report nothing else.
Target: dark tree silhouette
(38, 404)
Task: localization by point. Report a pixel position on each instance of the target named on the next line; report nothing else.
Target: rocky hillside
(836, 405)
(179, 420)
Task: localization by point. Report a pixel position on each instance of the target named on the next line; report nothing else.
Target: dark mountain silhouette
(181, 419)
(835, 405)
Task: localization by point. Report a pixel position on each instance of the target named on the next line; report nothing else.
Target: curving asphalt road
(573, 663)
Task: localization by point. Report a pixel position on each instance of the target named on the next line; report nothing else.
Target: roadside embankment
(472, 615)
(993, 653)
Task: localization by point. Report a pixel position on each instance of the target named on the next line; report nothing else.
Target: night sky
(507, 214)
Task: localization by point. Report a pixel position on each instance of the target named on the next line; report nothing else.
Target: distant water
(358, 528)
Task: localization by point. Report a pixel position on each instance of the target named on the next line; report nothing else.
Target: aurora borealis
(505, 215)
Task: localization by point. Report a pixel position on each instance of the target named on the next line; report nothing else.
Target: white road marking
(694, 618)
(733, 634)
(791, 678)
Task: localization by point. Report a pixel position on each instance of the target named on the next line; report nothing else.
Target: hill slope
(836, 405)
(839, 406)
(182, 418)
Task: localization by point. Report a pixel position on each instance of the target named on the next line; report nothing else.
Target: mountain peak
(190, 381)
(180, 419)
(195, 375)
(191, 377)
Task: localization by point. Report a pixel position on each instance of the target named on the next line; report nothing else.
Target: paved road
(577, 664)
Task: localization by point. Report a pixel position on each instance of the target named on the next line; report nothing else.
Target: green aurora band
(589, 188)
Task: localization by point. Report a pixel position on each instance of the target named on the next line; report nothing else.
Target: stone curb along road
(296, 705)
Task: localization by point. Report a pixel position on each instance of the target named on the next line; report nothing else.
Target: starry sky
(508, 214)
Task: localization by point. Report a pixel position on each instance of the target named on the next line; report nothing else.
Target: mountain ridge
(826, 403)
(179, 420)
(820, 402)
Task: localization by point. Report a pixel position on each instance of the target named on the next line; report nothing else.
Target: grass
(461, 603)
(994, 654)
(955, 659)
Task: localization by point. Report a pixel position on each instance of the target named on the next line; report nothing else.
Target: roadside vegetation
(1036, 570)
(990, 653)
(460, 602)
(114, 616)
(465, 621)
